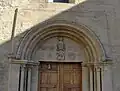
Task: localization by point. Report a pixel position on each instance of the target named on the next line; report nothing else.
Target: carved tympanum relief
(60, 48)
(60, 55)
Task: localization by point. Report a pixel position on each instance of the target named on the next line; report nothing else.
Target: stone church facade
(60, 45)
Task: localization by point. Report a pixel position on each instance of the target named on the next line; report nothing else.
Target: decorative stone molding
(47, 30)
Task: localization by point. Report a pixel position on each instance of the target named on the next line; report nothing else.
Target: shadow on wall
(82, 13)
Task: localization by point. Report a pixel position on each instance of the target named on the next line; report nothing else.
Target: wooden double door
(60, 76)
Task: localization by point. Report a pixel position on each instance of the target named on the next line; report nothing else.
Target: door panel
(48, 77)
(60, 77)
(72, 77)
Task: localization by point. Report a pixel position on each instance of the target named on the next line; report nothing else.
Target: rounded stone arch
(79, 33)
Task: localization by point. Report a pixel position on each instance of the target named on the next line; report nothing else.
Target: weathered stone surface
(101, 16)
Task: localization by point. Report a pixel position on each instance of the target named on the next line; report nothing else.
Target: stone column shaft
(22, 79)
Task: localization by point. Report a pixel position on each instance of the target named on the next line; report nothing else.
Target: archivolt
(78, 33)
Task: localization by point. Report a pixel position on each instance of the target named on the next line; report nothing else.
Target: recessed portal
(78, 45)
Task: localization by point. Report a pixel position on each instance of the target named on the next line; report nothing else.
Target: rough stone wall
(101, 16)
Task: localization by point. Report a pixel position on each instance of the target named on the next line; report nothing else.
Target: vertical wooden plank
(43, 89)
(80, 77)
(61, 77)
(58, 83)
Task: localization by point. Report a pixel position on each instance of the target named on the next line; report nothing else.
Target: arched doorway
(88, 49)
